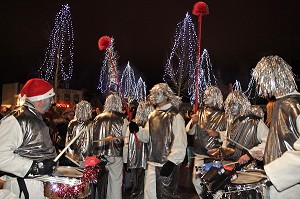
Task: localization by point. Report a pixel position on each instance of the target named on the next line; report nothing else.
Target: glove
(45, 167)
(167, 169)
(269, 183)
(133, 127)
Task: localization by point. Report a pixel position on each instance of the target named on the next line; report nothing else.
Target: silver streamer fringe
(216, 93)
(143, 111)
(83, 111)
(113, 103)
(274, 76)
(239, 98)
(257, 111)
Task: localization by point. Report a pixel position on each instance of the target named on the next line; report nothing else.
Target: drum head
(249, 177)
(67, 171)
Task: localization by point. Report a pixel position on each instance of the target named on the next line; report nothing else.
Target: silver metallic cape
(209, 118)
(108, 124)
(161, 134)
(137, 157)
(37, 144)
(244, 131)
(283, 131)
(82, 146)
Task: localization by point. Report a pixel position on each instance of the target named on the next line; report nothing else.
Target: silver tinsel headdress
(83, 111)
(113, 103)
(239, 98)
(257, 111)
(167, 91)
(274, 76)
(216, 93)
(143, 111)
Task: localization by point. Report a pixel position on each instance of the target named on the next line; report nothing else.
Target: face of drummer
(208, 98)
(235, 108)
(160, 99)
(44, 105)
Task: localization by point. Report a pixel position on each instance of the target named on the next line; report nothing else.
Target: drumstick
(252, 174)
(68, 145)
(231, 163)
(75, 162)
(240, 145)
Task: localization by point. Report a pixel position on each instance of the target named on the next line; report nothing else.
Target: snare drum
(247, 184)
(66, 177)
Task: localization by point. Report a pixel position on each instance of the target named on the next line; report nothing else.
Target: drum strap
(23, 188)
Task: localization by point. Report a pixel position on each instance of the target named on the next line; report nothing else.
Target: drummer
(210, 116)
(111, 123)
(244, 127)
(82, 124)
(282, 157)
(25, 145)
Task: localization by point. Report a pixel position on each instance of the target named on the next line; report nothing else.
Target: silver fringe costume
(81, 124)
(37, 144)
(137, 157)
(243, 127)
(162, 140)
(283, 132)
(209, 118)
(275, 77)
(109, 123)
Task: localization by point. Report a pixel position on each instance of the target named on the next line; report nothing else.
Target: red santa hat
(36, 89)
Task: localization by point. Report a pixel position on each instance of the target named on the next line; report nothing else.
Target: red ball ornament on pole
(104, 42)
(200, 8)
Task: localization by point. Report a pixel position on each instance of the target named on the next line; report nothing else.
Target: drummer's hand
(133, 127)
(257, 155)
(212, 133)
(45, 167)
(244, 159)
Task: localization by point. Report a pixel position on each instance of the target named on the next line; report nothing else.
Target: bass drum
(66, 178)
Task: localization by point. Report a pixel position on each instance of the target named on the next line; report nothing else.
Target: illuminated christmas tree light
(205, 78)
(250, 92)
(181, 63)
(237, 86)
(58, 62)
(108, 80)
(128, 83)
(141, 90)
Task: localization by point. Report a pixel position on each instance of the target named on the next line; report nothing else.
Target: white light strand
(206, 78)
(60, 48)
(182, 59)
(128, 83)
(250, 90)
(141, 90)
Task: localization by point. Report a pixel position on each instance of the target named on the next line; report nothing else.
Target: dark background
(237, 34)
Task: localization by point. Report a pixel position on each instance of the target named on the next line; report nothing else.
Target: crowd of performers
(230, 138)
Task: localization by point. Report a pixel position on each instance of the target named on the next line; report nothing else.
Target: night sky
(237, 34)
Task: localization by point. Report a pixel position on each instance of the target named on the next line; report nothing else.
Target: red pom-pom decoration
(91, 161)
(104, 42)
(200, 8)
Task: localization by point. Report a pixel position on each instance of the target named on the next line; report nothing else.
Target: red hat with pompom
(36, 89)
